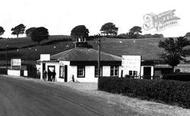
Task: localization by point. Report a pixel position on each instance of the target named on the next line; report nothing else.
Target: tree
(29, 31)
(39, 34)
(174, 50)
(80, 32)
(187, 34)
(109, 29)
(1, 31)
(135, 31)
(19, 29)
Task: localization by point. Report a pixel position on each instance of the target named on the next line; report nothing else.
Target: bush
(168, 91)
(3, 71)
(177, 76)
(32, 71)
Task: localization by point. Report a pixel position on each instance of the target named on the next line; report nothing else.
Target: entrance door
(43, 70)
(147, 73)
(63, 72)
(51, 68)
(51, 71)
(43, 67)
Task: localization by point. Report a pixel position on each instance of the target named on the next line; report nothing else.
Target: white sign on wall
(15, 62)
(44, 57)
(131, 63)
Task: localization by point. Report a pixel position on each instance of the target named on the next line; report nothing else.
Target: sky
(60, 16)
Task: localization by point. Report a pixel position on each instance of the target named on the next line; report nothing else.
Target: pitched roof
(84, 54)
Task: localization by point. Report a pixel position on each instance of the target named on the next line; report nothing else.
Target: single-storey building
(80, 64)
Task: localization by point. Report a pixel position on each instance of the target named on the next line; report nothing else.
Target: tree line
(173, 47)
(108, 29)
(35, 33)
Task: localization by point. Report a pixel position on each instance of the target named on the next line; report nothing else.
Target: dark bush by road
(177, 76)
(168, 91)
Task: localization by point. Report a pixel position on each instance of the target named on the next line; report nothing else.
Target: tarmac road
(28, 98)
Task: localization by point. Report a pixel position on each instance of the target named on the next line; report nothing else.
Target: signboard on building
(44, 57)
(131, 65)
(15, 62)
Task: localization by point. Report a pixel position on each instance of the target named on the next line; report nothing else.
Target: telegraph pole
(99, 54)
(7, 57)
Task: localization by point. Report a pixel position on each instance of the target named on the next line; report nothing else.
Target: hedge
(168, 91)
(3, 71)
(177, 76)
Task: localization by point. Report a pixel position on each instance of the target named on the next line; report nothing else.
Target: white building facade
(79, 65)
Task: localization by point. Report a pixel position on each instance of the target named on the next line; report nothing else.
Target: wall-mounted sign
(15, 62)
(131, 63)
(44, 57)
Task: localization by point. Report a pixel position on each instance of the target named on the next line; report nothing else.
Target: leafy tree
(109, 29)
(1, 31)
(19, 29)
(29, 31)
(39, 34)
(187, 34)
(135, 31)
(80, 32)
(174, 50)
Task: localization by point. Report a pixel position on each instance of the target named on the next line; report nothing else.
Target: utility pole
(99, 54)
(7, 57)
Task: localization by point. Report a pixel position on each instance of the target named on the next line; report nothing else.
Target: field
(28, 50)
(147, 48)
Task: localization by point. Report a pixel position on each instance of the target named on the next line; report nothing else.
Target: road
(29, 98)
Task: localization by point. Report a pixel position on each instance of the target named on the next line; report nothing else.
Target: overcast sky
(60, 16)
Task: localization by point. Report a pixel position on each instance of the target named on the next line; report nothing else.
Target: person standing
(45, 75)
(53, 75)
(49, 75)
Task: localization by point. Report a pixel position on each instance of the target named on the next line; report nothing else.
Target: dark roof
(84, 54)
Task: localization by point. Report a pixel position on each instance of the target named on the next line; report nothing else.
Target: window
(96, 71)
(133, 73)
(62, 72)
(114, 71)
(80, 71)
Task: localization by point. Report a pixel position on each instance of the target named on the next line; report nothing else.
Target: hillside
(14, 43)
(147, 48)
(28, 50)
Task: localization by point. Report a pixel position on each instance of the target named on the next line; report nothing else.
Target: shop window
(114, 71)
(81, 71)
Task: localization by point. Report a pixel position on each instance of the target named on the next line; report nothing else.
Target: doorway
(51, 73)
(63, 72)
(147, 73)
